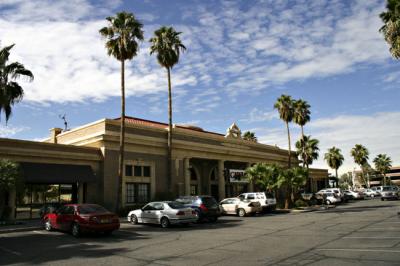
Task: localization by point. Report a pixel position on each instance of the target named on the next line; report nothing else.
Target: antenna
(63, 117)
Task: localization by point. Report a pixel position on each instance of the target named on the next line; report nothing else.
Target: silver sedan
(164, 213)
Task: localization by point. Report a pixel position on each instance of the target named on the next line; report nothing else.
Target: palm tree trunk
(122, 138)
(289, 150)
(336, 177)
(169, 160)
(303, 146)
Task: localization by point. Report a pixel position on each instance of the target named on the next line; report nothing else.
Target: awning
(56, 173)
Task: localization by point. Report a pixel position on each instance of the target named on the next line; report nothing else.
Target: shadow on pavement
(356, 209)
(34, 248)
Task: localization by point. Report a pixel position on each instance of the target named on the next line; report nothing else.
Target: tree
(345, 181)
(360, 155)
(307, 149)
(383, 163)
(291, 180)
(391, 27)
(10, 178)
(284, 105)
(264, 175)
(10, 91)
(334, 158)
(250, 136)
(167, 45)
(122, 42)
(301, 114)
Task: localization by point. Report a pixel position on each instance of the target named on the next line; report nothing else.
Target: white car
(239, 207)
(336, 191)
(267, 200)
(164, 213)
(354, 194)
(371, 193)
(331, 198)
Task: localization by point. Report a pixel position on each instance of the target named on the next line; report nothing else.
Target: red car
(79, 218)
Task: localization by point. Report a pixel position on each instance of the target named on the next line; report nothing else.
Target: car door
(230, 206)
(225, 205)
(146, 213)
(65, 217)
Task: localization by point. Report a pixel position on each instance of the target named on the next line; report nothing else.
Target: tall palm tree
(307, 149)
(301, 114)
(383, 163)
(391, 28)
(250, 136)
(123, 34)
(10, 91)
(360, 154)
(167, 45)
(264, 175)
(284, 105)
(334, 158)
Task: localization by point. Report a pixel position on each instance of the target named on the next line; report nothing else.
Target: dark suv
(206, 207)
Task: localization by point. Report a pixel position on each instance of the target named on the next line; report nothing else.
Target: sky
(241, 56)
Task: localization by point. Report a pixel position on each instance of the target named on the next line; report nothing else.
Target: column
(251, 183)
(221, 180)
(186, 170)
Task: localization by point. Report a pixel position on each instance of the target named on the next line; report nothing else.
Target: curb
(22, 229)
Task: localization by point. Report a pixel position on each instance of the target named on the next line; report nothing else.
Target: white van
(267, 200)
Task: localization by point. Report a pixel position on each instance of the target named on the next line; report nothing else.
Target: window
(193, 190)
(138, 170)
(137, 192)
(128, 170)
(146, 171)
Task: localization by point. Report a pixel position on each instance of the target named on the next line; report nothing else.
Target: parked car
(164, 213)
(336, 191)
(80, 218)
(378, 190)
(390, 192)
(206, 207)
(371, 193)
(50, 207)
(354, 194)
(330, 197)
(239, 207)
(267, 200)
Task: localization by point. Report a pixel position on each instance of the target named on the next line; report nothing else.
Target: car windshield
(86, 209)
(269, 195)
(208, 201)
(387, 188)
(176, 205)
(187, 200)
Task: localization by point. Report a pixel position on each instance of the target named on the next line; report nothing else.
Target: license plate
(104, 221)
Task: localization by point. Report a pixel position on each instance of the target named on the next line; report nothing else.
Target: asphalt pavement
(358, 233)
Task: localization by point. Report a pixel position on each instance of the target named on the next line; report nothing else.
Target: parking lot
(358, 233)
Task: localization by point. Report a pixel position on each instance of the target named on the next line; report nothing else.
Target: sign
(237, 176)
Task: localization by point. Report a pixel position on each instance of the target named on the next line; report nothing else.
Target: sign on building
(237, 176)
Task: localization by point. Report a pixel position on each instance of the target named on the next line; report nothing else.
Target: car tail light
(180, 213)
(203, 207)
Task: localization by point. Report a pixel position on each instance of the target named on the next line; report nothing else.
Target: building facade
(202, 162)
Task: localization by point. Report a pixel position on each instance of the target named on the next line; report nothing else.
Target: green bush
(300, 203)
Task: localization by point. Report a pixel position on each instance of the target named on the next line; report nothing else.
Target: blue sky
(241, 56)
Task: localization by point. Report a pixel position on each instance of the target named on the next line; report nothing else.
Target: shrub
(300, 203)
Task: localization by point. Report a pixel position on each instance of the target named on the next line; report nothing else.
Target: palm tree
(307, 149)
(10, 91)
(391, 28)
(360, 155)
(167, 45)
(291, 180)
(383, 163)
(334, 158)
(250, 136)
(123, 35)
(301, 114)
(284, 105)
(264, 175)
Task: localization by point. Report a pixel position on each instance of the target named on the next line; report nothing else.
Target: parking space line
(10, 251)
(359, 250)
(372, 237)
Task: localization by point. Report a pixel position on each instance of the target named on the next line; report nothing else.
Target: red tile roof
(149, 123)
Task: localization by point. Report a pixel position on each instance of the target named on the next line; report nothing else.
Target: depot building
(81, 165)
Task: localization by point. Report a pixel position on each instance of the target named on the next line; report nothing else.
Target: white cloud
(9, 131)
(378, 132)
(257, 115)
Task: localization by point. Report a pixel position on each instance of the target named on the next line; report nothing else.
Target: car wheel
(372, 195)
(75, 230)
(198, 216)
(241, 213)
(47, 225)
(328, 202)
(382, 199)
(134, 219)
(164, 222)
(109, 232)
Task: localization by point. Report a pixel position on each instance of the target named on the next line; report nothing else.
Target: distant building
(81, 165)
(376, 179)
